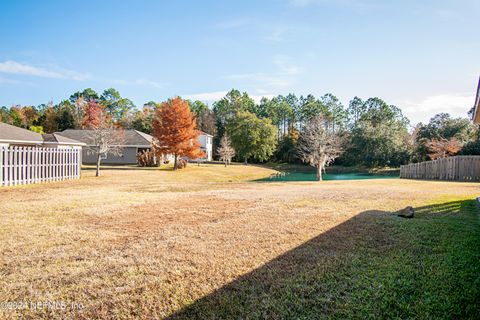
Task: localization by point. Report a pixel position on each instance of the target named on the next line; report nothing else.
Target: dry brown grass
(147, 242)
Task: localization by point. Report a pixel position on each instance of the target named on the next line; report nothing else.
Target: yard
(208, 242)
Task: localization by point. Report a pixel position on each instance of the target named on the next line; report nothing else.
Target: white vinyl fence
(25, 165)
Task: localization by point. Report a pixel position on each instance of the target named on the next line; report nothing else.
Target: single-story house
(134, 142)
(15, 136)
(476, 106)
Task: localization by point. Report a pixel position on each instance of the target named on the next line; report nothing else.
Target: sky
(422, 56)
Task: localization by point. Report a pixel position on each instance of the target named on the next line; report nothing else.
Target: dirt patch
(153, 217)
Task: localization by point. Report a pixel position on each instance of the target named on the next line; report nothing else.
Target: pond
(310, 176)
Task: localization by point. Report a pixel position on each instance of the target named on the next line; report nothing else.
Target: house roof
(133, 138)
(476, 106)
(12, 134)
(56, 138)
(15, 135)
(205, 134)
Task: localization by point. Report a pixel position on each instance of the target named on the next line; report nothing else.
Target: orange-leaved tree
(175, 128)
(443, 148)
(94, 115)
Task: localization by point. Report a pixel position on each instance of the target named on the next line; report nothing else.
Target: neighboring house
(15, 136)
(206, 143)
(134, 142)
(476, 106)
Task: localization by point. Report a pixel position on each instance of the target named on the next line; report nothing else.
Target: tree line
(369, 132)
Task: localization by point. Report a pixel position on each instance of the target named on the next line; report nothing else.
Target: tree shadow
(321, 277)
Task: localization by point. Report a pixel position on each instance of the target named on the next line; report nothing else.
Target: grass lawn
(206, 242)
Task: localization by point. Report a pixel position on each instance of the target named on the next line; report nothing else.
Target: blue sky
(423, 56)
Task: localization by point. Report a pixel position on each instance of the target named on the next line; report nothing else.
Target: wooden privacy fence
(458, 168)
(25, 165)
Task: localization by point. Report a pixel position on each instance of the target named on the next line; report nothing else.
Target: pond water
(310, 176)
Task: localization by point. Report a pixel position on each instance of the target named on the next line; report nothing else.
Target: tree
(65, 119)
(205, 117)
(93, 115)
(87, 95)
(225, 151)
(50, 123)
(443, 126)
(226, 108)
(378, 135)
(103, 138)
(355, 110)
(252, 137)
(17, 117)
(334, 111)
(31, 115)
(318, 144)
(143, 119)
(5, 115)
(310, 107)
(287, 147)
(116, 106)
(175, 128)
(443, 148)
(385, 144)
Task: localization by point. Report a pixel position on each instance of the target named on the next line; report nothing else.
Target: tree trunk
(319, 172)
(99, 159)
(245, 161)
(175, 162)
(225, 162)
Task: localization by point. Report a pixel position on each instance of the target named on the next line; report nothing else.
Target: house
(206, 145)
(476, 106)
(134, 142)
(15, 136)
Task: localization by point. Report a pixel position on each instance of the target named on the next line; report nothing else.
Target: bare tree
(226, 150)
(105, 141)
(103, 138)
(318, 144)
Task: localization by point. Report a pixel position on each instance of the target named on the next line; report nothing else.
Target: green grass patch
(375, 265)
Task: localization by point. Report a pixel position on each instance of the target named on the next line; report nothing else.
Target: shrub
(147, 158)
(181, 163)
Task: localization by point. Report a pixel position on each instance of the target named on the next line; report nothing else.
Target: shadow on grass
(375, 265)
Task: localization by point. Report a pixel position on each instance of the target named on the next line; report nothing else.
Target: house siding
(206, 145)
(129, 156)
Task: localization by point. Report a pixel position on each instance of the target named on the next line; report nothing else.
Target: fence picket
(26, 165)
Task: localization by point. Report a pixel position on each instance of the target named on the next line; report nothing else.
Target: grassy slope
(424, 268)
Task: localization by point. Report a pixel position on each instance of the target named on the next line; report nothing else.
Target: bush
(147, 158)
(181, 163)
(471, 148)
